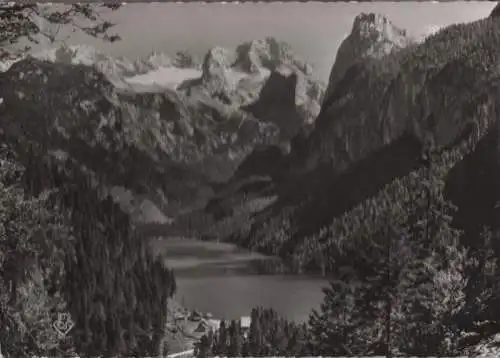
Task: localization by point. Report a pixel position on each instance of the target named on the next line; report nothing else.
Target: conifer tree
(434, 280)
(235, 340)
(409, 270)
(480, 317)
(222, 339)
(202, 349)
(34, 21)
(255, 336)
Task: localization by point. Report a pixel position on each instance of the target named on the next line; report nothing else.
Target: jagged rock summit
(236, 76)
(277, 103)
(255, 56)
(217, 78)
(114, 68)
(372, 36)
(496, 11)
(117, 69)
(268, 53)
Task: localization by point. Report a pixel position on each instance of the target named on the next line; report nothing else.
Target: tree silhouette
(235, 340)
(26, 21)
(33, 240)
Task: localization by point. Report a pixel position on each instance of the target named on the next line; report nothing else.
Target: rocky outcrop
(270, 54)
(372, 36)
(184, 59)
(495, 12)
(276, 103)
(237, 77)
(216, 76)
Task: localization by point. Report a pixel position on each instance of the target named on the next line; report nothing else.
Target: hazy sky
(315, 30)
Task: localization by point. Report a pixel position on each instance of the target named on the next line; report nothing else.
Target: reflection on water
(268, 266)
(233, 296)
(228, 281)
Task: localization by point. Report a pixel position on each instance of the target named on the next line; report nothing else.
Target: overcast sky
(315, 30)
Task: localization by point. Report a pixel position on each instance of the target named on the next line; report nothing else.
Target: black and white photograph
(238, 179)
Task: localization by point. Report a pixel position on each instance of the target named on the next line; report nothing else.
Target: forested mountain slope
(373, 131)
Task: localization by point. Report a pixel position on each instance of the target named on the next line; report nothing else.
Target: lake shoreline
(229, 281)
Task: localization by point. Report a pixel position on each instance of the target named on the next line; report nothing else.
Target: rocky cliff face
(238, 77)
(276, 103)
(496, 11)
(408, 100)
(372, 36)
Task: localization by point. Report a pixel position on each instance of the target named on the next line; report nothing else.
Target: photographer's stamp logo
(63, 324)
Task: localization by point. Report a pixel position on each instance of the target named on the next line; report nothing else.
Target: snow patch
(168, 77)
(7, 63)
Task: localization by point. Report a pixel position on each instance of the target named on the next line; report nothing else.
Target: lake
(221, 278)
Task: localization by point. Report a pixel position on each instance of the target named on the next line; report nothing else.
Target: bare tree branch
(25, 21)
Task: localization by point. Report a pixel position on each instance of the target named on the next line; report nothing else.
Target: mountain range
(176, 139)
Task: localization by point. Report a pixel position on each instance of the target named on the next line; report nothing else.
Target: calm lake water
(220, 279)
